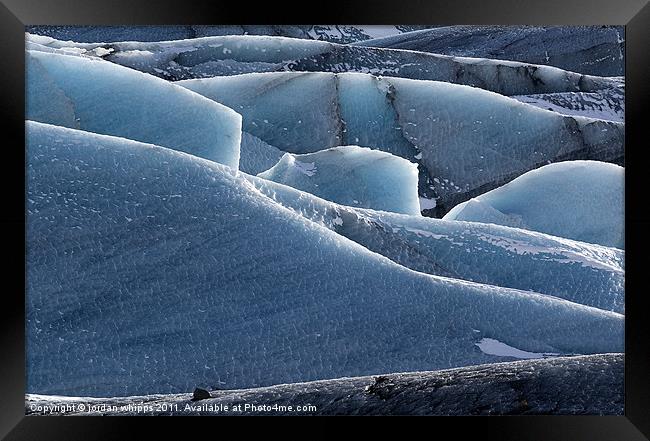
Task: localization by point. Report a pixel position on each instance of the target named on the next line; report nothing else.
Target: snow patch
(491, 346)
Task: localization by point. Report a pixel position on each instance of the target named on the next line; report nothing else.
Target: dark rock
(200, 394)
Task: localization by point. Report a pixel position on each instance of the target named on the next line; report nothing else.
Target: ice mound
(97, 96)
(593, 50)
(228, 55)
(352, 175)
(581, 272)
(152, 271)
(581, 200)
(466, 140)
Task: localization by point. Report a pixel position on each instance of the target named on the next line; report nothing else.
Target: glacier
(109, 34)
(152, 270)
(581, 200)
(352, 175)
(593, 50)
(462, 150)
(229, 55)
(97, 96)
(584, 273)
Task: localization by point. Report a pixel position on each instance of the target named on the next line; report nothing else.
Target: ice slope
(466, 140)
(152, 271)
(586, 385)
(229, 55)
(581, 200)
(336, 33)
(352, 175)
(101, 97)
(493, 254)
(593, 50)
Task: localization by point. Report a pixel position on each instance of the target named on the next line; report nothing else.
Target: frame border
(634, 14)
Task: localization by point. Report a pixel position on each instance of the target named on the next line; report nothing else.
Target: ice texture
(336, 33)
(493, 254)
(227, 55)
(589, 385)
(256, 156)
(466, 140)
(152, 271)
(581, 200)
(608, 104)
(594, 50)
(352, 175)
(97, 96)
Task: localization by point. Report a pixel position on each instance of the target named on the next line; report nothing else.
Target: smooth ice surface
(594, 50)
(352, 175)
(466, 140)
(152, 271)
(102, 97)
(230, 55)
(581, 200)
(580, 272)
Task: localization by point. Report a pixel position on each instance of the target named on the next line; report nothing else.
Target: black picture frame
(634, 14)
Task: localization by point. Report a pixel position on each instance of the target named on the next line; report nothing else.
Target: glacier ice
(97, 96)
(335, 33)
(463, 150)
(152, 271)
(272, 112)
(581, 200)
(608, 104)
(593, 50)
(228, 55)
(493, 254)
(255, 155)
(352, 175)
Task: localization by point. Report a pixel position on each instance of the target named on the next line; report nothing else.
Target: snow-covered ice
(608, 104)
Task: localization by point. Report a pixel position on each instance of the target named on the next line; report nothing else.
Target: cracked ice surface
(93, 95)
(130, 292)
(352, 175)
(594, 50)
(231, 55)
(581, 200)
(463, 150)
(608, 104)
